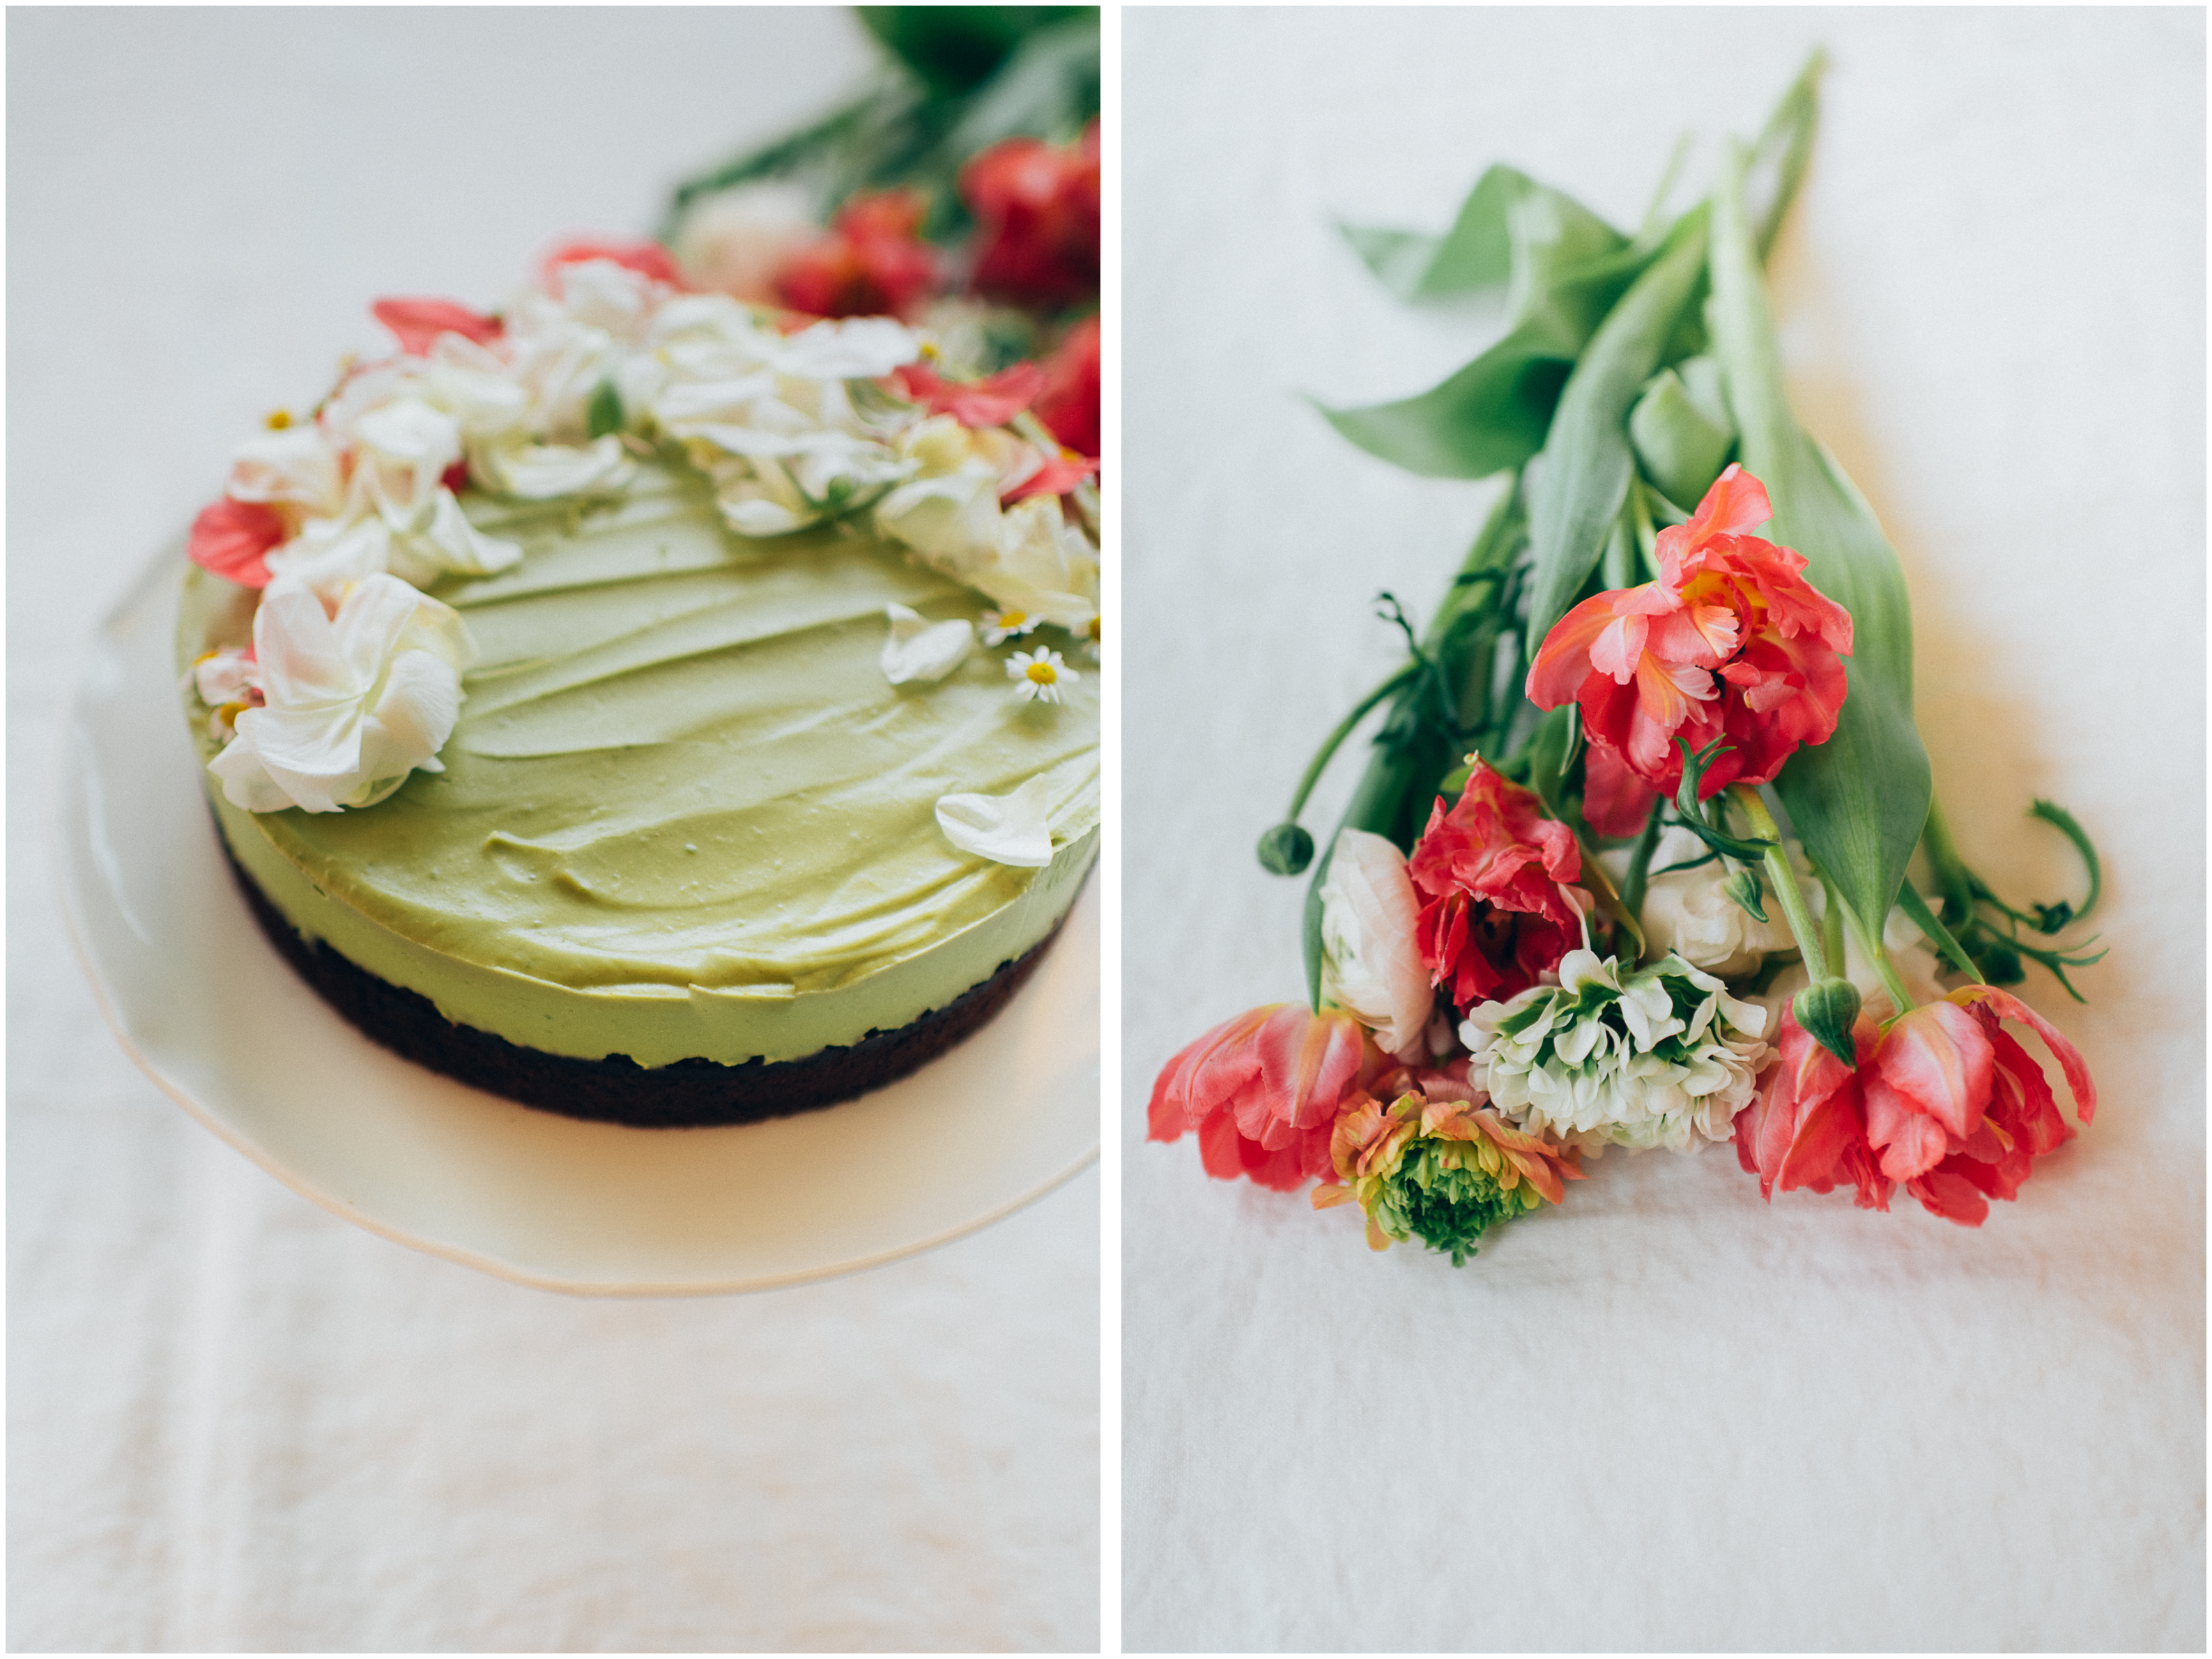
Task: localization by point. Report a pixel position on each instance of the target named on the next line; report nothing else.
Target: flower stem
(1871, 943)
(1335, 739)
(1832, 928)
(1782, 878)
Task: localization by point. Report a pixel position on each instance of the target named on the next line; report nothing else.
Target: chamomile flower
(1040, 674)
(1090, 639)
(999, 626)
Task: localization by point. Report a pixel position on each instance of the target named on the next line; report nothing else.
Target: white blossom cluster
(1638, 1057)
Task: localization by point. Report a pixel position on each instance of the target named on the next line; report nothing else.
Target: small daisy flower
(1040, 673)
(1090, 638)
(999, 626)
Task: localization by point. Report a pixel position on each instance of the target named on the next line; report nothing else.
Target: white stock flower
(1371, 957)
(402, 451)
(855, 349)
(1046, 567)
(1640, 1057)
(918, 650)
(1012, 828)
(736, 241)
(331, 554)
(545, 473)
(353, 704)
(294, 465)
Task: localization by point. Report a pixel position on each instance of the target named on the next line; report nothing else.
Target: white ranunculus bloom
(919, 651)
(1013, 829)
(736, 241)
(1637, 1057)
(1371, 957)
(1690, 912)
(352, 703)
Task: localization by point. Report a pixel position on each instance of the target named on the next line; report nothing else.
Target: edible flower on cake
(1038, 675)
(608, 363)
(1012, 828)
(350, 704)
(919, 650)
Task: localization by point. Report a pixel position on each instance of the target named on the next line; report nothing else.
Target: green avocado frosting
(683, 813)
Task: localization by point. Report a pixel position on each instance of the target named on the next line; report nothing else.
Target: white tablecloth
(234, 1421)
(1670, 1416)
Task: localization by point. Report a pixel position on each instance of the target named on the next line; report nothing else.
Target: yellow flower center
(1013, 618)
(279, 419)
(1093, 630)
(1042, 673)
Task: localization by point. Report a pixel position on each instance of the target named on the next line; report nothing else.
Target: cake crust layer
(686, 1094)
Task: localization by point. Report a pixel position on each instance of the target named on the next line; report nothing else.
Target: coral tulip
(1262, 1090)
(1730, 641)
(1944, 1100)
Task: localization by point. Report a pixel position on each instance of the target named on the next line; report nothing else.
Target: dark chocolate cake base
(688, 1094)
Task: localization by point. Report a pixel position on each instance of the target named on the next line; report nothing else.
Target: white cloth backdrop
(1670, 1416)
(234, 1421)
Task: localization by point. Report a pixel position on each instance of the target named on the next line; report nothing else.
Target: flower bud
(1743, 887)
(1287, 849)
(1826, 1009)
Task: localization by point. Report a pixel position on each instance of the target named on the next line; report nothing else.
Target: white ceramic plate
(218, 1018)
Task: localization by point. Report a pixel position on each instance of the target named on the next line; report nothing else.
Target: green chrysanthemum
(1443, 1196)
(1442, 1171)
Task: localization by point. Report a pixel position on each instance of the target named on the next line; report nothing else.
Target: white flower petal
(1012, 830)
(857, 348)
(921, 651)
(1371, 959)
(354, 702)
(544, 473)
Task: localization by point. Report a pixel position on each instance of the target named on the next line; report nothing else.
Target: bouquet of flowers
(1629, 864)
(958, 193)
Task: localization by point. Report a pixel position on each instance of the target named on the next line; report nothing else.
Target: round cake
(764, 774)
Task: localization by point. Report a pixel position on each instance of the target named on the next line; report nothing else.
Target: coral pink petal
(1951, 1196)
(1910, 1143)
(2069, 1058)
(647, 258)
(418, 323)
(1056, 477)
(1615, 801)
(1563, 661)
(1815, 1158)
(1736, 503)
(1307, 1062)
(1939, 1059)
(231, 538)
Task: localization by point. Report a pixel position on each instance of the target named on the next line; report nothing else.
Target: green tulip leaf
(1859, 800)
(1680, 448)
(1580, 483)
